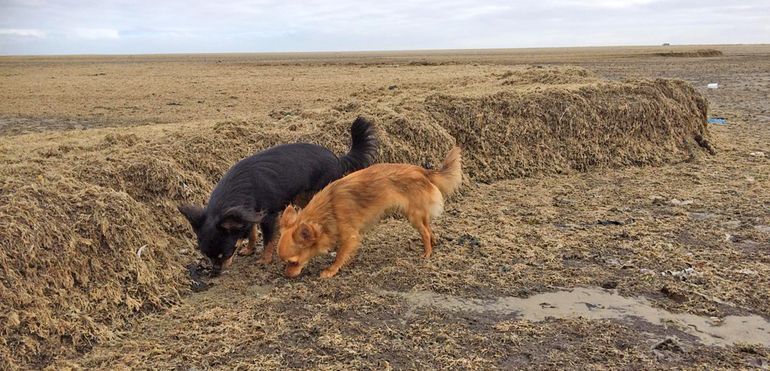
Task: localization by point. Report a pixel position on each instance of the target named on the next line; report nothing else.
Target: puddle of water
(603, 304)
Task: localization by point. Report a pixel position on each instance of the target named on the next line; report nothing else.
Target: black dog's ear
(238, 217)
(194, 215)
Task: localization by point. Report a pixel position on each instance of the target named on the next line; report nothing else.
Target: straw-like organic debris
(692, 54)
(89, 234)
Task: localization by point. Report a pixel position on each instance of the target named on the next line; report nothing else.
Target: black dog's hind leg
(268, 226)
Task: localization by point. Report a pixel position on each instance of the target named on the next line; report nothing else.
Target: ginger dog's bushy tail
(450, 176)
(363, 151)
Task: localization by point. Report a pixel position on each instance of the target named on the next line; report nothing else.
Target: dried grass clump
(72, 224)
(71, 273)
(548, 75)
(700, 53)
(554, 130)
(75, 211)
(407, 137)
(557, 127)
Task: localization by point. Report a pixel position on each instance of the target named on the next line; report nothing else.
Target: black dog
(257, 188)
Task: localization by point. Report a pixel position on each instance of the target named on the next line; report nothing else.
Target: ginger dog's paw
(265, 260)
(246, 251)
(426, 255)
(328, 273)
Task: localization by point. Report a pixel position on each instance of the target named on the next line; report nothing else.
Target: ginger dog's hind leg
(249, 248)
(432, 235)
(428, 239)
(348, 247)
(421, 222)
(435, 206)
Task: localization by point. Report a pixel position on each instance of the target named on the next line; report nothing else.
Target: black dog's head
(218, 232)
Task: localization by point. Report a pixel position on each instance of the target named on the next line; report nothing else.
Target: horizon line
(374, 50)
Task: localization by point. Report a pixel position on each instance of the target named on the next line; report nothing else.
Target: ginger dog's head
(300, 241)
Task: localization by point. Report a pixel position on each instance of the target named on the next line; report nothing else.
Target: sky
(175, 26)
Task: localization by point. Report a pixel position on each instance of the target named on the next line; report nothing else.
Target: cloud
(604, 4)
(614, 4)
(152, 26)
(96, 33)
(22, 32)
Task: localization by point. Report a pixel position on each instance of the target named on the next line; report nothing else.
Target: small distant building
(666, 44)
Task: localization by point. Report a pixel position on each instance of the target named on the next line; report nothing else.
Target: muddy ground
(688, 238)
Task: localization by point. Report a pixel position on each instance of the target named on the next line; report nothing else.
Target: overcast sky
(175, 26)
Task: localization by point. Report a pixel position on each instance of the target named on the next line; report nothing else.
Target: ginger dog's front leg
(348, 247)
(267, 253)
(268, 227)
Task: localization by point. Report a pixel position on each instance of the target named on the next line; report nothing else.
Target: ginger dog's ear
(238, 218)
(289, 216)
(194, 214)
(307, 232)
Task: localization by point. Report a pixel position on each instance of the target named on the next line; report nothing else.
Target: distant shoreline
(415, 52)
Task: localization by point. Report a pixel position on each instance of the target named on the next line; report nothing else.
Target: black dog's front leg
(249, 248)
(268, 226)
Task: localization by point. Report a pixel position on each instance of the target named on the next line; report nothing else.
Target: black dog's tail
(363, 151)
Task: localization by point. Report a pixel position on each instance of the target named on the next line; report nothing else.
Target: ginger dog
(338, 213)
